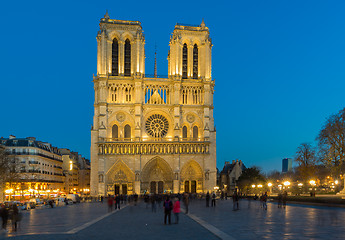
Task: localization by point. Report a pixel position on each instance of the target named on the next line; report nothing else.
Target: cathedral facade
(152, 134)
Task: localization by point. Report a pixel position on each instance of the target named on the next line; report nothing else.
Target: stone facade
(230, 174)
(152, 134)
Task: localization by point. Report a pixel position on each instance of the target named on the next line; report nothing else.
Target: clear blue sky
(279, 68)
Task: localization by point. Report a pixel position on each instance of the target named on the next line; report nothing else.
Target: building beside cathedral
(152, 134)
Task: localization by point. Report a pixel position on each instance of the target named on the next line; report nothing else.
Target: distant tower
(286, 165)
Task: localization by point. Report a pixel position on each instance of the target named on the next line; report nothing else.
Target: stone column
(137, 187)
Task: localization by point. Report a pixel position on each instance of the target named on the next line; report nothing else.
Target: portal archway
(157, 176)
(120, 179)
(191, 177)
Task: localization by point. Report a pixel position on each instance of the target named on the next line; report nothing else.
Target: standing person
(186, 201)
(101, 199)
(15, 216)
(235, 205)
(153, 202)
(280, 200)
(284, 199)
(176, 209)
(117, 201)
(264, 201)
(213, 203)
(207, 199)
(4, 216)
(135, 199)
(222, 196)
(167, 205)
(110, 203)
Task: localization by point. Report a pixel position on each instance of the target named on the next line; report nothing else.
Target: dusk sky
(279, 69)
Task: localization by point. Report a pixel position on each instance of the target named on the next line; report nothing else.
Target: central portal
(157, 188)
(157, 177)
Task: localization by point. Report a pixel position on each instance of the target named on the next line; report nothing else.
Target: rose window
(157, 126)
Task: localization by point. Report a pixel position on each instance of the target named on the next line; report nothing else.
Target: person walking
(4, 216)
(235, 205)
(264, 201)
(167, 205)
(207, 199)
(153, 202)
(117, 201)
(213, 203)
(176, 209)
(110, 203)
(186, 201)
(280, 200)
(284, 199)
(15, 217)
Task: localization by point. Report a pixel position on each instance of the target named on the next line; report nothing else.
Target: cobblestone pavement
(131, 222)
(253, 222)
(92, 221)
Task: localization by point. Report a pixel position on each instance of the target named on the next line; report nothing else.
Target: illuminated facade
(40, 166)
(152, 134)
(77, 172)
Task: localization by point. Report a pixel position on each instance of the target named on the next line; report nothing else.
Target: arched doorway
(157, 176)
(191, 178)
(120, 179)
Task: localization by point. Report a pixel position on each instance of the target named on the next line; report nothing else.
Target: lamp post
(270, 186)
(312, 183)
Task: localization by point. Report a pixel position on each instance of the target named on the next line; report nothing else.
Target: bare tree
(306, 160)
(9, 170)
(331, 141)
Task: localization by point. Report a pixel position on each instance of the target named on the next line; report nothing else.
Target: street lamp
(286, 183)
(253, 186)
(312, 183)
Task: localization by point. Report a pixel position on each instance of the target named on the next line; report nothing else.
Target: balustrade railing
(147, 148)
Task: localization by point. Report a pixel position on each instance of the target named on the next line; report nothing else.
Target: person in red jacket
(176, 209)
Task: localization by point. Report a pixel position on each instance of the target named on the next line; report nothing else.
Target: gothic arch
(120, 173)
(157, 169)
(127, 35)
(191, 171)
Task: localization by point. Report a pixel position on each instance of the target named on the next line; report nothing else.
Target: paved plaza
(92, 221)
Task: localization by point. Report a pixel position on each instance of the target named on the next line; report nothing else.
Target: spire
(106, 16)
(202, 23)
(155, 70)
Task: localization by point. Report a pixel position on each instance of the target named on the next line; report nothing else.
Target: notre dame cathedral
(152, 134)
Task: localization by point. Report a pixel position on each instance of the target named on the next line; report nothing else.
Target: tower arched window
(127, 58)
(195, 132)
(127, 131)
(184, 132)
(115, 58)
(184, 61)
(195, 61)
(115, 132)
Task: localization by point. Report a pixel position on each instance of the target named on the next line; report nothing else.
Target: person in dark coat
(4, 216)
(15, 216)
(117, 201)
(207, 199)
(213, 203)
(167, 205)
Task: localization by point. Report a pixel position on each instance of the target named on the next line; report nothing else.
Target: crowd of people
(10, 213)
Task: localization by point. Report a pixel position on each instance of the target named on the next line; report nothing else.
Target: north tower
(152, 134)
